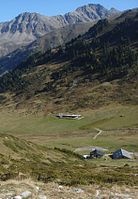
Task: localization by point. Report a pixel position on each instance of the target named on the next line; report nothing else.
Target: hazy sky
(11, 8)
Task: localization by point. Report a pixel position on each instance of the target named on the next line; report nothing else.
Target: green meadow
(118, 123)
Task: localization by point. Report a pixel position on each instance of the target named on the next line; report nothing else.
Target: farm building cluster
(118, 154)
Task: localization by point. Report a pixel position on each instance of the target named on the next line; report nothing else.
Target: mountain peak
(29, 17)
(88, 13)
(91, 6)
(114, 10)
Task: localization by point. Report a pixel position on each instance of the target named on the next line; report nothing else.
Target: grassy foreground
(21, 159)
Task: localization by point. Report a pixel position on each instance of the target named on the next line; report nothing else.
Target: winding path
(99, 133)
(92, 147)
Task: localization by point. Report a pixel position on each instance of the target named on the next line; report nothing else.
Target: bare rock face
(27, 27)
(24, 29)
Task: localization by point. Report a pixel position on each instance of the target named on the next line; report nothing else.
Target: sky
(11, 8)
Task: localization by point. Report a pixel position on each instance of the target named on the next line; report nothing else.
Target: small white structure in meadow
(68, 116)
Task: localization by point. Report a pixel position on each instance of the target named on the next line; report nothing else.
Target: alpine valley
(68, 90)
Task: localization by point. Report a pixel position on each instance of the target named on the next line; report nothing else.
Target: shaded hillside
(108, 52)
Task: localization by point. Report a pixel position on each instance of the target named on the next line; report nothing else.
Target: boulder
(16, 197)
(26, 194)
(42, 197)
(78, 190)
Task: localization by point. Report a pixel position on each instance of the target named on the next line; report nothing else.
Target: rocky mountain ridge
(48, 41)
(27, 27)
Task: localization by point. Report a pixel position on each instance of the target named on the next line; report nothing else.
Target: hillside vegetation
(20, 159)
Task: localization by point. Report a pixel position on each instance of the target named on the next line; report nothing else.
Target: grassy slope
(23, 159)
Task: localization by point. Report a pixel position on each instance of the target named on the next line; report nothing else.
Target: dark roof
(124, 153)
(97, 151)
